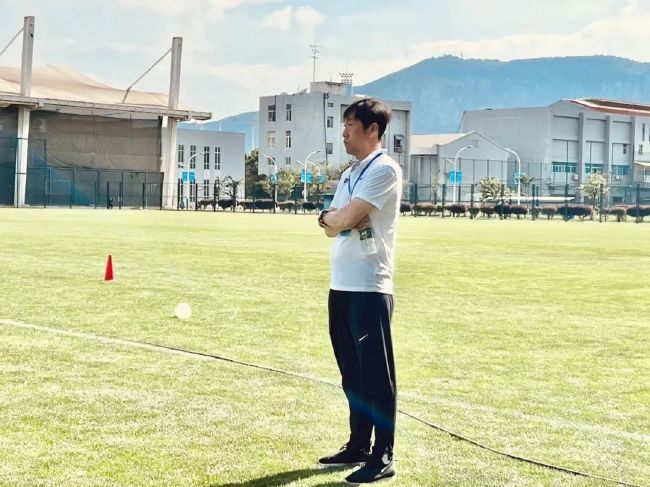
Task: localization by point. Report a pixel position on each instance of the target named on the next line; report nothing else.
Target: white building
(205, 155)
(562, 143)
(293, 126)
(433, 159)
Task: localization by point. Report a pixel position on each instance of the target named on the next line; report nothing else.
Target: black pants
(360, 332)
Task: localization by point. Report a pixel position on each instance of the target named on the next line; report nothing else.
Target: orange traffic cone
(108, 276)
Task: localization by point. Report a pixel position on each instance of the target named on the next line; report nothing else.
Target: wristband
(321, 215)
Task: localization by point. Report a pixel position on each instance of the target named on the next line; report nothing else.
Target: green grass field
(531, 337)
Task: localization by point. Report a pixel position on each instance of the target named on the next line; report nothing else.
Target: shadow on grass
(285, 478)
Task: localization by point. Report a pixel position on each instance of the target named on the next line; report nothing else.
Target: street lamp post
(186, 166)
(453, 196)
(305, 165)
(275, 184)
(518, 172)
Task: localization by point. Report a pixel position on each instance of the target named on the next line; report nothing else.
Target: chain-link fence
(47, 185)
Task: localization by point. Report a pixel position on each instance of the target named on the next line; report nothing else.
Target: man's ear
(373, 128)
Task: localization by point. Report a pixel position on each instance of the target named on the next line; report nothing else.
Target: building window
(206, 158)
(192, 158)
(271, 113)
(398, 143)
(640, 149)
(565, 167)
(180, 187)
(624, 148)
(217, 158)
(643, 132)
(287, 139)
(473, 142)
(288, 112)
(181, 155)
(593, 168)
(329, 147)
(206, 188)
(287, 161)
(330, 104)
(330, 122)
(270, 138)
(620, 170)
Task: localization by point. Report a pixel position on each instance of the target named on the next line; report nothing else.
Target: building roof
(56, 87)
(613, 106)
(427, 143)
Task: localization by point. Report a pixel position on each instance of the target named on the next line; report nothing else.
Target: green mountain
(441, 88)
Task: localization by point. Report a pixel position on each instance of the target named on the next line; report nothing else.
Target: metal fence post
(638, 203)
(444, 197)
(566, 202)
(144, 195)
(600, 212)
(121, 195)
(471, 203)
(108, 194)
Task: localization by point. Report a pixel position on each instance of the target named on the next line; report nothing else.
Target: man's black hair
(369, 111)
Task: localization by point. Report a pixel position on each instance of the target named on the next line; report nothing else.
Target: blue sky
(237, 50)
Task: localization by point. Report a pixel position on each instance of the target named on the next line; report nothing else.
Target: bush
(582, 211)
(286, 205)
(310, 206)
(457, 209)
(535, 211)
(503, 210)
(474, 211)
(619, 212)
(519, 210)
(572, 211)
(226, 203)
(245, 204)
(264, 204)
(424, 207)
(549, 211)
(638, 212)
(487, 210)
(405, 207)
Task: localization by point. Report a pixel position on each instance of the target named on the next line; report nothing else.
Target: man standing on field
(362, 219)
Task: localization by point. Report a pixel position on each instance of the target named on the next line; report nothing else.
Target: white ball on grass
(183, 311)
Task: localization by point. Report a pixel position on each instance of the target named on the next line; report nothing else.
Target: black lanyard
(351, 189)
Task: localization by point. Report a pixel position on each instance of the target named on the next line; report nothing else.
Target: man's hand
(363, 224)
(350, 216)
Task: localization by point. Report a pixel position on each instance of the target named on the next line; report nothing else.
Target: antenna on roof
(314, 55)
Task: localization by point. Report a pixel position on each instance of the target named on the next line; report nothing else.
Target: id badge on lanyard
(351, 187)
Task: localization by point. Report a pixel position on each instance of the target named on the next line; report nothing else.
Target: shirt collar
(357, 164)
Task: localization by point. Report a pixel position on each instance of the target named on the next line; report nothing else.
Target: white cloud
(304, 18)
(625, 35)
(280, 19)
(308, 18)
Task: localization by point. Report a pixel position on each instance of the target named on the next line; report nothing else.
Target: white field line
(551, 421)
(98, 338)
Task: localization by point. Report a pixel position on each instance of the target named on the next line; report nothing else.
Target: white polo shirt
(380, 184)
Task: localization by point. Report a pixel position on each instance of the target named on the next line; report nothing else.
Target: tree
(592, 187)
(251, 166)
(525, 181)
(286, 182)
(230, 187)
(490, 189)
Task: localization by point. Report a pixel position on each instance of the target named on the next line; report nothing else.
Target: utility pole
(314, 55)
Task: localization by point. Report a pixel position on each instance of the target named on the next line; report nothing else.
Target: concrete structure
(85, 124)
(432, 161)
(209, 155)
(562, 143)
(293, 126)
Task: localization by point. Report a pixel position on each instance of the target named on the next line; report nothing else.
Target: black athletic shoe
(375, 470)
(346, 457)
